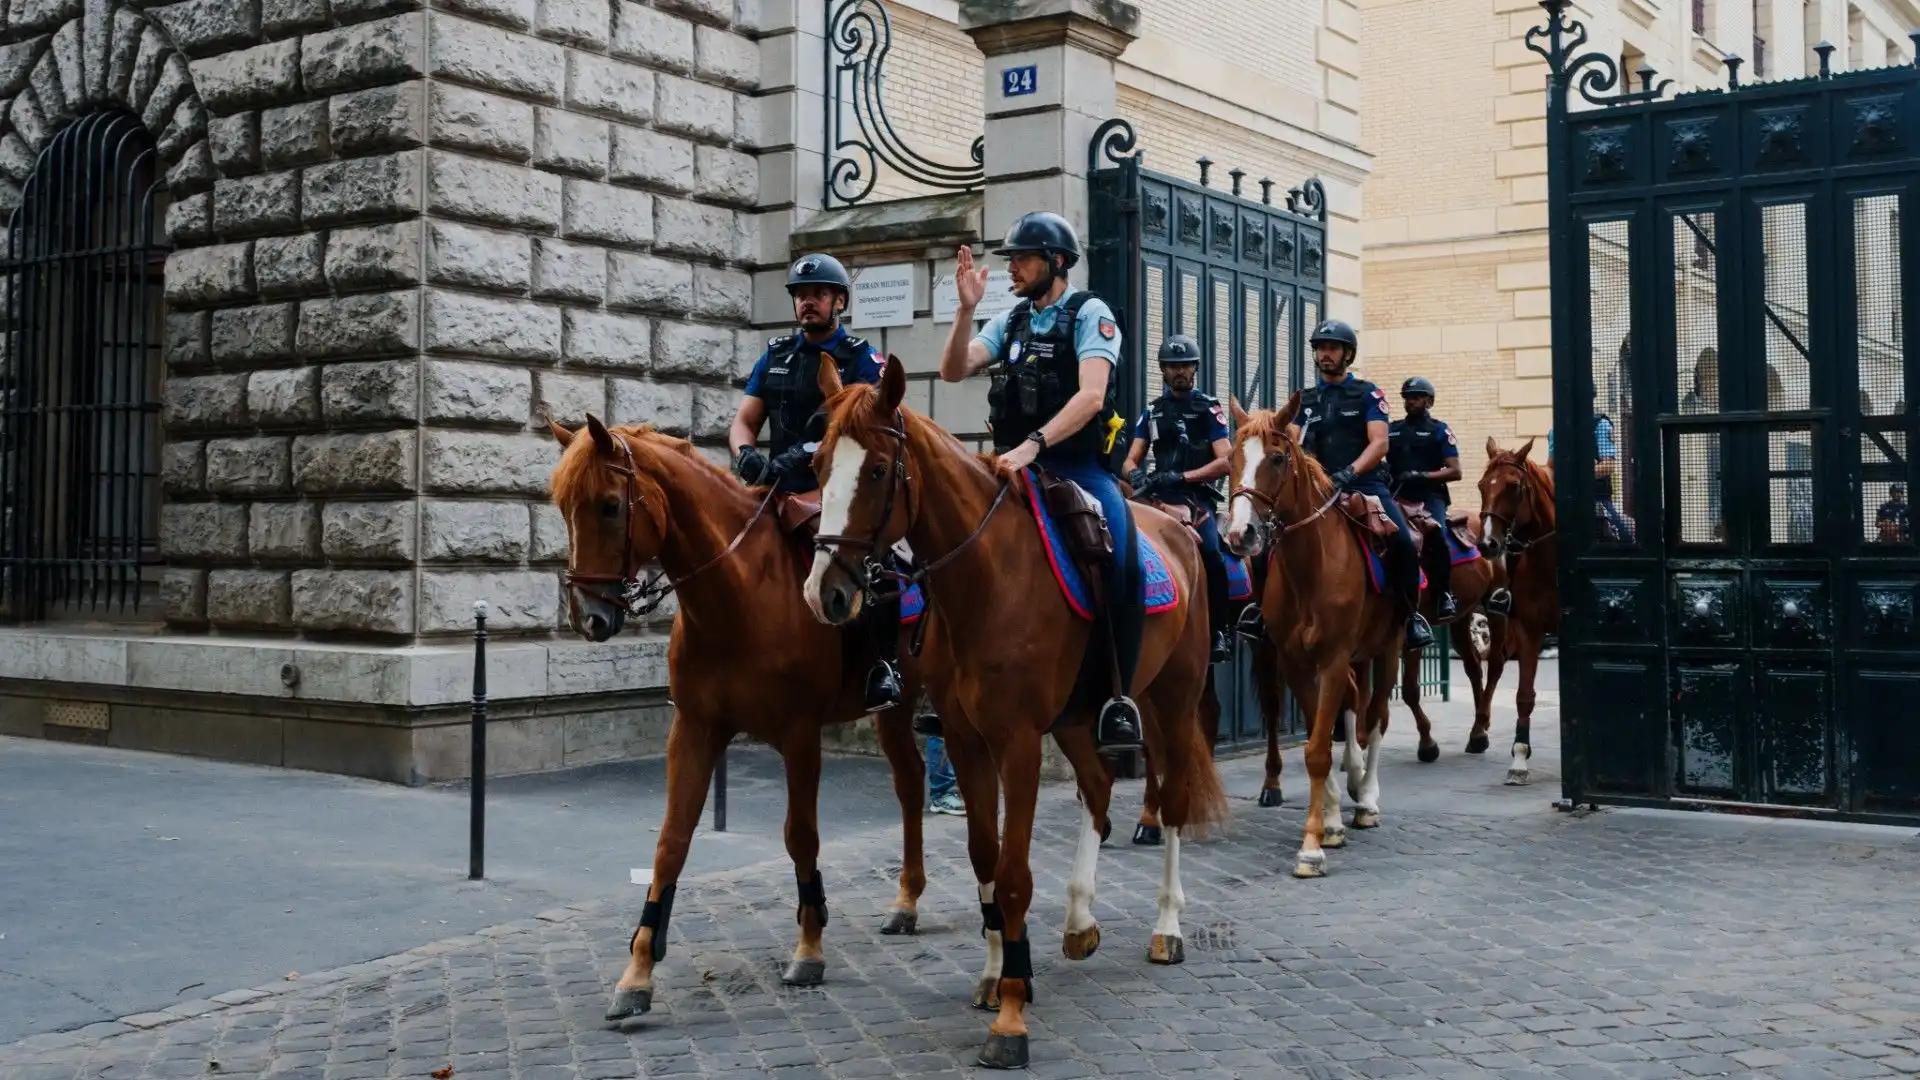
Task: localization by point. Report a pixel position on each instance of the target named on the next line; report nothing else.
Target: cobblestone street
(1477, 933)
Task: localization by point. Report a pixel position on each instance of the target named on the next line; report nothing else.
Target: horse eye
(610, 507)
(1276, 459)
(877, 473)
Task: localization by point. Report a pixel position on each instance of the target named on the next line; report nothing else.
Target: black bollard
(477, 807)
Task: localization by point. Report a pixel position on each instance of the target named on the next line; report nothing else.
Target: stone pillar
(1036, 153)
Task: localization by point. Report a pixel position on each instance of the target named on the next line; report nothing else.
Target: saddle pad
(1239, 579)
(1377, 573)
(912, 603)
(1162, 594)
(1459, 552)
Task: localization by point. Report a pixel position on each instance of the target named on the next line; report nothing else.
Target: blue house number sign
(1017, 81)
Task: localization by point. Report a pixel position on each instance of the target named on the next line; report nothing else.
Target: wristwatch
(1038, 436)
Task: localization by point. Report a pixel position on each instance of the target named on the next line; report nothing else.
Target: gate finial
(1825, 49)
(1205, 163)
(1236, 174)
(1733, 62)
(1266, 191)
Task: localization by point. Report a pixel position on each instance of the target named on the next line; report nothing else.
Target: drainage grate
(91, 715)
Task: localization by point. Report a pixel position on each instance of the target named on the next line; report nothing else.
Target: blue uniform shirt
(1604, 448)
(1088, 341)
(1216, 426)
(869, 367)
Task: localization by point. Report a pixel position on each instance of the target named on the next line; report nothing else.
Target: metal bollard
(477, 806)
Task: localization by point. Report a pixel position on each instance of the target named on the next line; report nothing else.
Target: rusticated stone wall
(402, 232)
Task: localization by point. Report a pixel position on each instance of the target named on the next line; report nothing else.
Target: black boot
(1216, 566)
(1222, 647)
(1419, 634)
(1119, 725)
(883, 679)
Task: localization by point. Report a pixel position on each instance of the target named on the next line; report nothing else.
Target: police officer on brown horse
(1423, 457)
(783, 391)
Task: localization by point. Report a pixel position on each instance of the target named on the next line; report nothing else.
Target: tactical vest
(1035, 375)
(1338, 432)
(1177, 434)
(1417, 444)
(791, 384)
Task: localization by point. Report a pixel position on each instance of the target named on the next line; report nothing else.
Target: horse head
(865, 501)
(616, 515)
(1510, 492)
(1268, 469)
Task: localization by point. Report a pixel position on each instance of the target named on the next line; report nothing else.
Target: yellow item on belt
(1114, 424)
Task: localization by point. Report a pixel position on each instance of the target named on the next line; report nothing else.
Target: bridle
(1511, 543)
(872, 572)
(625, 590)
(1269, 518)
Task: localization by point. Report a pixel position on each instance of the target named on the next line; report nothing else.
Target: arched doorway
(80, 376)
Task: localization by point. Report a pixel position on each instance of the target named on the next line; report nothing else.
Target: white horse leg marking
(1333, 832)
(989, 987)
(1352, 759)
(836, 503)
(1173, 898)
(1367, 803)
(1519, 771)
(1086, 858)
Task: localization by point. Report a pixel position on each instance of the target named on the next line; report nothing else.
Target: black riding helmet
(1336, 331)
(819, 270)
(1416, 385)
(1179, 349)
(1045, 232)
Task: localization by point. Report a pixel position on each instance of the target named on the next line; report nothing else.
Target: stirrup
(1250, 625)
(1447, 606)
(1419, 634)
(1222, 647)
(883, 687)
(1498, 602)
(1118, 727)
(927, 723)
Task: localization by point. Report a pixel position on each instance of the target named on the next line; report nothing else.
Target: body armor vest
(1417, 444)
(1177, 434)
(1337, 429)
(1034, 376)
(791, 384)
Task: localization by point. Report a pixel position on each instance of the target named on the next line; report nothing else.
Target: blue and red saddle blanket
(1162, 592)
(1376, 573)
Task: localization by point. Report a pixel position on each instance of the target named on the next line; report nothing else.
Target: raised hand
(970, 284)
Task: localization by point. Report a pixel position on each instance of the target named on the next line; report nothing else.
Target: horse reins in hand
(641, 598)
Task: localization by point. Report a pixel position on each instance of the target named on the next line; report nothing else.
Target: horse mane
(576, 477)
(863, 424)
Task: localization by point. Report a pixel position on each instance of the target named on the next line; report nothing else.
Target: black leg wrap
(812, 895)
(1016, 962)
(654, 916)
(990, 918)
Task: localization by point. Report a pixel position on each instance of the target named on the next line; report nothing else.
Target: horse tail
(1192, 795)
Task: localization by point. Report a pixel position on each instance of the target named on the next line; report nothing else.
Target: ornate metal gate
(79, 453)
(1729, 278)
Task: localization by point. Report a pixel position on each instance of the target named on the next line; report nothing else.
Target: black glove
(1167, 480)
(1412, 475)
(751, 465)
(790, 462)
(1137, 480)
(1344, 478)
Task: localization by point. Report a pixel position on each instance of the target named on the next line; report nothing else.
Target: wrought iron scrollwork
(1113, 140)
(1595, 74)
(1309, 199)
(859, 37)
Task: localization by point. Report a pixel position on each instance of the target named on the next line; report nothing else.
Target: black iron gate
(1729, 278)
(79, 440)
(1244, 277)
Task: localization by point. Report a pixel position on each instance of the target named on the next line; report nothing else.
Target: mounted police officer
(783, 392)
(1424, 458)
(1187, 432)
(1343, 424)
(1054, 360)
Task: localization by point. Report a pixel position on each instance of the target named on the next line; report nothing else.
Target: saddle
(798, 514)
(1081, 523)
(1419, 520)
(1366, 512)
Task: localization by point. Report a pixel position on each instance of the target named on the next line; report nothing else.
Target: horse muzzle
(594, 618)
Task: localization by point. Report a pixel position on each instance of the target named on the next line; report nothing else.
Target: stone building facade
(1455, 240)
(401, 233)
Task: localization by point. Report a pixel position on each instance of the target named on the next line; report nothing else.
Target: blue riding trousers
(1124, 600)
(1404, 567)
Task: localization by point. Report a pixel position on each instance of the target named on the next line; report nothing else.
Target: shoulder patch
(1450, 441)
(1108, 329)
(1379, 393)
(1219, 413)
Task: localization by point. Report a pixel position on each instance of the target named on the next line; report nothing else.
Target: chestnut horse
(1334, 640)
(1517, 522)
(1472, 582)
(744, 657)
(1016, 650)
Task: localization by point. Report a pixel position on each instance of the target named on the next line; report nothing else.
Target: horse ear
(1524, 448)
(1493, 448)
(1284, 419)
(1239, 414)
(602, 438)
(560, 435)
(893, 385)
(829, 378)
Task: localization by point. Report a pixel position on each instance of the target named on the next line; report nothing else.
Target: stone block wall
(404, 233)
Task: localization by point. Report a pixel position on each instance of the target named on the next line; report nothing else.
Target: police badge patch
(1450, 441)
(1107, 329)
(1219, 413)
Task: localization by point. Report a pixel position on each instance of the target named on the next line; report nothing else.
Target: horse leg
(1482, 693)
(1330, 695)
(1410, 696)
(1006, 1046)
(1519, 770)
(1268, 686)
(1147, 831)
(802, 760)
(1353, 758)
(980, 789)
(692, 749)
(1366, 811)
(1080, 936)
(909, 786)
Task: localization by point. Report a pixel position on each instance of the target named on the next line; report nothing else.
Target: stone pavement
(1477, 933)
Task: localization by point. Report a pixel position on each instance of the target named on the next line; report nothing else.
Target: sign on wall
(882, 296)
(1017, 81)
(998, 299)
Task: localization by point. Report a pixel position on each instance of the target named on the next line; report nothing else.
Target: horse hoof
(1478, 744)
(1004, 1052)
(1366, 819)
(1106, 830)
(1080, 944)
(986, 995)
(1146, 834)
(1516, 779)
(1332, 839)
(1166, 950)
(628, 1003)
(1270, 796)
(807, 972)
(1311, 864)
(1429, 753)
(901, 922)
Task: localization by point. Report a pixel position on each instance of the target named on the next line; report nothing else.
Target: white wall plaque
(999, 297)
(882, 296)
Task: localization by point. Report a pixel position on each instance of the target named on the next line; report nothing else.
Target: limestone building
(291, 284)
(1454, 226)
